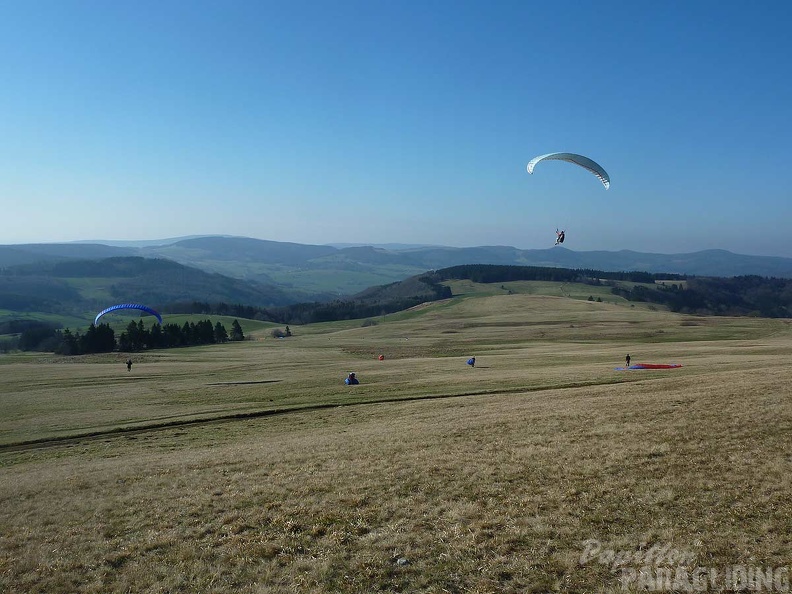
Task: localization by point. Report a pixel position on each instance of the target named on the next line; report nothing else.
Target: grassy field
(56, 319)
(250, 467)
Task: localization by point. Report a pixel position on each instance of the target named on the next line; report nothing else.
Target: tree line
(493, 273)
(136, 337)
(736, 296)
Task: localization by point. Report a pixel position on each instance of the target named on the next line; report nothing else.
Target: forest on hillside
(44, 337)
(736, 296)
(749, 295)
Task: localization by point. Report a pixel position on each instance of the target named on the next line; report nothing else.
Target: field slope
(250, 467)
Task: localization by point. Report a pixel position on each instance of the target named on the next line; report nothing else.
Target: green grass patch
(538, 288)
(66, 321)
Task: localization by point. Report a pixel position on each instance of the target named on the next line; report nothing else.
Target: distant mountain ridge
(75, 287)
(32, 253)
(327, 269)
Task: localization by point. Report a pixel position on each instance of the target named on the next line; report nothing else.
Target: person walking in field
(627, 359)
(129, 364)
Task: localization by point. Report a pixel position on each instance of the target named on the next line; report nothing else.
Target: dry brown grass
(490, 492)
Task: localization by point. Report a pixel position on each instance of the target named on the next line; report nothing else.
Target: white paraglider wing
(580, 160)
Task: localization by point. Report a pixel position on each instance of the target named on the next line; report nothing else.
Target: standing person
(129, 364)
(627, 359)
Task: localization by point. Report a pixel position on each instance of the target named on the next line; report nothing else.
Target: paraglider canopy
(138, 306)
(580, 160)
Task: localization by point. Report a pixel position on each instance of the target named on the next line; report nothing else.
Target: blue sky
(405, 122)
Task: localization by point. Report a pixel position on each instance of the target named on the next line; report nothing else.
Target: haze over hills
(68, 285)
(328, 269)
(74, 286)
(142, 242)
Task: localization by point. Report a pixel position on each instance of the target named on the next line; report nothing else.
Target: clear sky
(400, 121)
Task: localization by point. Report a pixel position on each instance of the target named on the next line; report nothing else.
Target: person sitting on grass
(351, 379)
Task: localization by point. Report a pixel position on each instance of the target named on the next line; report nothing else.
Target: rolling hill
(286, 277)
(80, 287)
(346, 270)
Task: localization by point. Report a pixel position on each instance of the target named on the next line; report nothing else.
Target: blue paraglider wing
(145, 308)
(580, 160)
